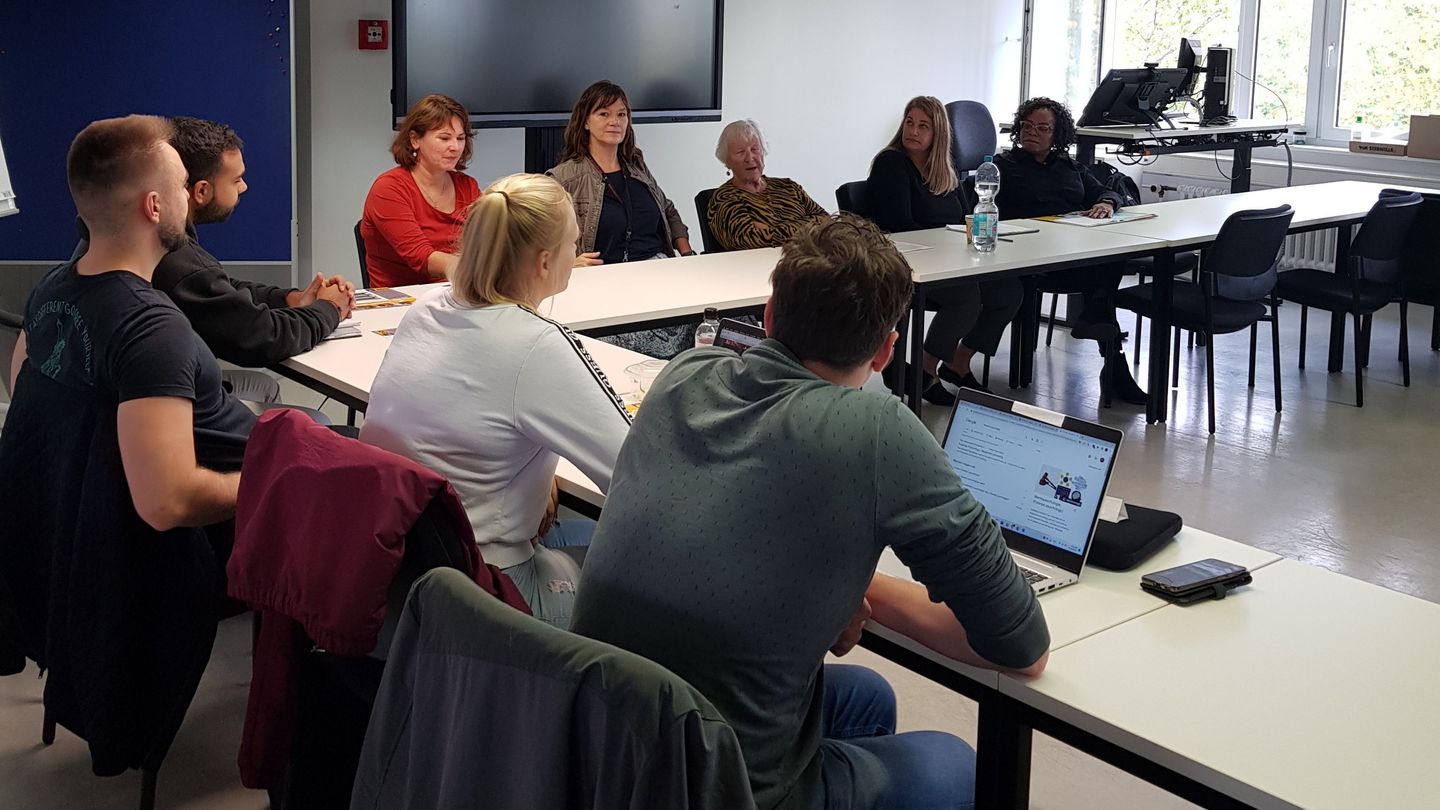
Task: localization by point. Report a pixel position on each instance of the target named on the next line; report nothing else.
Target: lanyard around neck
(623, 195)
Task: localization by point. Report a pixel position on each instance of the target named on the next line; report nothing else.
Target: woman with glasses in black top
(1039, 178)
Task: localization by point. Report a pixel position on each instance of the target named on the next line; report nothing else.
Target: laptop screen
(1038, 480)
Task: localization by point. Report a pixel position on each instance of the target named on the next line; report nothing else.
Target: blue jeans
(865, 764)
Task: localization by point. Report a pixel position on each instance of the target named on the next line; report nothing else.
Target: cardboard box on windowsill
(1424, 137)
(1378, 146)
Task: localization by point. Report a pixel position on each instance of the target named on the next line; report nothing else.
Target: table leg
(1159, 381)
(1002, 756)
(1017, 347)
(1240, 167)
(917, 350)
(1337, 318)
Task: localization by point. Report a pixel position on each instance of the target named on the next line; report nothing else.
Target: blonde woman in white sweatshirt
(481, 388)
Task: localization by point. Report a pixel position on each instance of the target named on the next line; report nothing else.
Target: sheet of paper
(1080, 220)
(908, 247)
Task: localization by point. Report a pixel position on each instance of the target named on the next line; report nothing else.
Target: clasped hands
(336, 289)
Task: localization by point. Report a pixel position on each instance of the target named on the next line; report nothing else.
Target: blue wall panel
(64, 64)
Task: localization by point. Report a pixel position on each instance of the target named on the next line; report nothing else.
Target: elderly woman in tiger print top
(751, 210)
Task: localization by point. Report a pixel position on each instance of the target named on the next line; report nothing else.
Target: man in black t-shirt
(96, 325)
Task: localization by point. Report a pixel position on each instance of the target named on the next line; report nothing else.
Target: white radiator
(1314, 249)
(1188, 191)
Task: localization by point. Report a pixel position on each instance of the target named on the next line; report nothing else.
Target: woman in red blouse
(414, 212)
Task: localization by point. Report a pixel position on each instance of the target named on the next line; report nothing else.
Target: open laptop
(1040, 474)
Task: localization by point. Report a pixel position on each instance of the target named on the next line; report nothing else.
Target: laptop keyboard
(1032, 577)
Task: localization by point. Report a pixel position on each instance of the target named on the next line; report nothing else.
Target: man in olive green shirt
(750, 503)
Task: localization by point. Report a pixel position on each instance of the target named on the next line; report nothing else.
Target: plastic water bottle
(706, 331)
(985, 221)
(1357, 132)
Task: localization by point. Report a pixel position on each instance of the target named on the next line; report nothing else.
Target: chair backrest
(474, 692)
(360, 249)
(854, 198)
(1241, 264)
(702, 209)
(972, 134)
(1375, 252)
(1420, 256)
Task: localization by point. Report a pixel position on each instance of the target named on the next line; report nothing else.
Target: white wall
(827, 82)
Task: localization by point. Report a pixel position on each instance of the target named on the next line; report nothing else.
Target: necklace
(438, 198)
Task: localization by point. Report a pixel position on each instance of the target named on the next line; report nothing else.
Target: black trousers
(975, 314)
(1096, 286)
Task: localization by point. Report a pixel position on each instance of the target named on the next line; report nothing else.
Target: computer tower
(1219, 63)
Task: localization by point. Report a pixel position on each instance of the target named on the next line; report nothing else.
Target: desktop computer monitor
(1190, 60)
(1135, 96)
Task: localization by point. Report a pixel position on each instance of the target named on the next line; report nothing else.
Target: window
(1389, 63)
(1282, 61)
(1322, 63)
(1150, 30)
(1065, 42)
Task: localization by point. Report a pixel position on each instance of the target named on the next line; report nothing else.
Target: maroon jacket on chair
(320, 529)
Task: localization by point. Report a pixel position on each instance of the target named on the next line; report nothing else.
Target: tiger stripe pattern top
(742, 220)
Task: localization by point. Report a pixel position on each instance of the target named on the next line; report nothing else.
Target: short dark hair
(577, 141)
(202, 146)
(431, 112)
(110, 157)
(1064, 122)
(839, 288)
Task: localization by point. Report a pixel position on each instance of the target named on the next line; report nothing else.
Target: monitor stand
(543, 148)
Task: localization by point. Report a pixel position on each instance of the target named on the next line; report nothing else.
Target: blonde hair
(938, 171)
(516, 217)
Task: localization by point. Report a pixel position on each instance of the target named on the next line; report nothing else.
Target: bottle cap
(988, 159)
(711, 313)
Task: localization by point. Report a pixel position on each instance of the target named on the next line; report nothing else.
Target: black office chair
(1373, 281)
(853, 197)
(360, 249)
(702, 209)
(1236, 279)
(1420, 260)
(972, 134)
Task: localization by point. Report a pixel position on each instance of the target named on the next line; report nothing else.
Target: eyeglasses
(1038, 129)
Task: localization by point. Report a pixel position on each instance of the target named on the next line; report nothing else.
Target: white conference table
(1194, 223)
(1100, 600)
(1306, 689)
(615, 298)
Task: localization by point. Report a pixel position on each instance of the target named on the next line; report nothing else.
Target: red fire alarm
(374, 35)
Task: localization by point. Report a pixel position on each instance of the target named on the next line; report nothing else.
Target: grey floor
(1352, 490)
